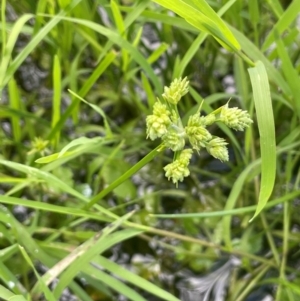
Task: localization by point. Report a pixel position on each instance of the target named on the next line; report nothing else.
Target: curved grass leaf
(256, 55)
(204, 18)
(197, 42)
(15, 31)
(45, 289)
(266, 127)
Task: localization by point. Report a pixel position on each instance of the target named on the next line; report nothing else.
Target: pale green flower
(217, 148)
(174, 138)
(185, 156)
(157, 124)
(160, 109)
(235, 118)
(177, 89)
(178, 169)
(196, 132)
(208, 119)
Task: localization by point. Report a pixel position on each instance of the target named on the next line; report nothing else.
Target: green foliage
(78, 87)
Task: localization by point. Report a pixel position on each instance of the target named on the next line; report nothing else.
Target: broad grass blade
(266, 127)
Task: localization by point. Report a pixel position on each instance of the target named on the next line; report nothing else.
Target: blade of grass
(15, 104)
(15, 64)
(56, 101)
(8, 278)
(286, 198)
(109, 133)
(124, 177)
(203, 18)
(52, 208)
(121, 29)
(81, 256)
(288, 16)
(289, 71)
(266, 127)
(103, 65)
(44, 288)
(7, 49)
(112, 282)
(255, 54)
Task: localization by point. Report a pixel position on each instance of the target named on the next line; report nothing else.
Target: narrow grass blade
(256, 55)
(196, 44)
(283, 23)
(266, 127)
(54, 181)
(15, 64)
(56, 101)
(134, 279)
(102, 66)
(81, 256)
(113, 283)
(239, 211)
(117, 39)
(9, 296)
(8, 48)
(124, 177)
(15, 103)
(204, 18)
(52, 208)
(289, 70)
(45, 290)
(147, 88)
(97, 109)
(8, 277)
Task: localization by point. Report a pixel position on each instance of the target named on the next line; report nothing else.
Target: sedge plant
(165, 123)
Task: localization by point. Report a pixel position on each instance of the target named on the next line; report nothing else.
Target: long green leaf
(266, 127)
(203, 18)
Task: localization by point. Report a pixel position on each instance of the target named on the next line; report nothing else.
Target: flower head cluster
(178, 169)
(158, 123)
(178, 88)
(166, 123)
(235, 118)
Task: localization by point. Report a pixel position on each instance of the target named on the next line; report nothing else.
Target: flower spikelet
(174, 138)
(157, 124)
(208, 119)
(217, 148)
(178, 169)
(177, 89)
(235, 118)
(196, 132)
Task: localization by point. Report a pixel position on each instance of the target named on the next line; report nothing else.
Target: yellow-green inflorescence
(165, 123)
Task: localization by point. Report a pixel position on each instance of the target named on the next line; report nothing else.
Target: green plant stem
(285, 247)
(125, 176)
(205, 243)
(245, 58)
